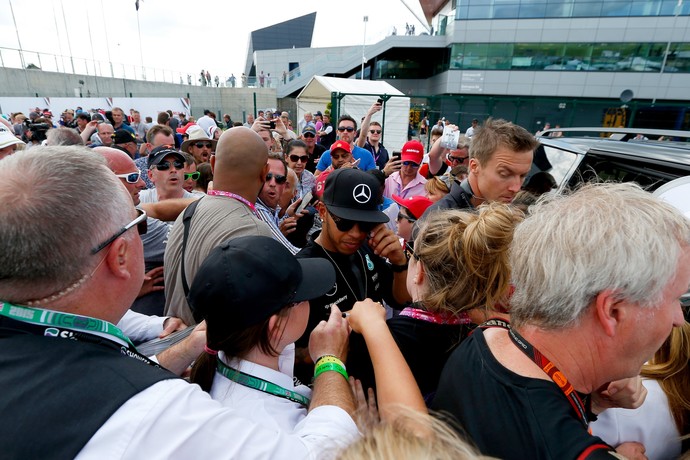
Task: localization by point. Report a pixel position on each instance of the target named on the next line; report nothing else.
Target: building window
(523, 9)
(611, 57)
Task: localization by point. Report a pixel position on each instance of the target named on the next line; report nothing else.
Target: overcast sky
(184, 35)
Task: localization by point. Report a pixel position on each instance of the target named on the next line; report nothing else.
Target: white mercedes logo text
(362, 193)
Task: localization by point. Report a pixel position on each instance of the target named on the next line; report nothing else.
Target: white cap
(7, 137)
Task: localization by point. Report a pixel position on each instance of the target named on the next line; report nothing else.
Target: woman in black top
(458, 268)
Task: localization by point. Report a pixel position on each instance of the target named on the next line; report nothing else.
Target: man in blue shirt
(347, 128)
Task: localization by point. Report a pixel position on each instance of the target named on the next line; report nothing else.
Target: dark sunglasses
(131, 178)
(194, 176)
(410, 163)
(407, 218)
(279, 178)
(166, 165)
(139, 222)
(202, 144)
(349, 129)
(375, 131)
(298, 158)
(345, 225)
(308, 135)
(458, 159)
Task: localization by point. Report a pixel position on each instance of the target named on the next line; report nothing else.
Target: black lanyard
(552, 371)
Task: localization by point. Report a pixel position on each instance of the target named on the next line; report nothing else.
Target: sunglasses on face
(299, 158)
(131, 178)
(139, 222)
(349, 129)
(458, 159)
(279, 178)
(166, 165)
(194, 176)
(345, 225)
(402, 216)
(202, 144)
(309, 135)
(375, 131)
(410, 163)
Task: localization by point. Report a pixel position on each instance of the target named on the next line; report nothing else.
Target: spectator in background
(126, 141)
(327, 133)
(471, 131)
(120, 121)
(347, 126)
(8, 142)
(139, 127)
(166, 168)
(63, 136)
(407, 182)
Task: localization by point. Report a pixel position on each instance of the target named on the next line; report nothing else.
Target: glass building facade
(593, 57)
(540, 9)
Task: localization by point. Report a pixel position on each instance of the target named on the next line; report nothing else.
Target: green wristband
(325, 367)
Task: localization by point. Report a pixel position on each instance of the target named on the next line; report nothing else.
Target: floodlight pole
(364, 41)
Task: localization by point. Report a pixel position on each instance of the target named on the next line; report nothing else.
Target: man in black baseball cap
(356, 241)
(165, 169)
(125, 141)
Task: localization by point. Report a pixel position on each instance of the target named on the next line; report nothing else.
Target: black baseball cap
(159, 153)
(353, 194)
(122, 136)
(245, 280)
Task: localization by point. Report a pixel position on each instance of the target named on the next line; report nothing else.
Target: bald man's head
(240, 160)
(123, 165)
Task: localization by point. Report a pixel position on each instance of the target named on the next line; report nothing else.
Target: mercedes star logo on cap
(362, 193)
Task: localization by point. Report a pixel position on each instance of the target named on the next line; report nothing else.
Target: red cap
(342, 145)
(412, 151)
(183, 129)
(415, 204)
(321, 182)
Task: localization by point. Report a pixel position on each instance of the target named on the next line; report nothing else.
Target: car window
(557, 162)
(600, 167)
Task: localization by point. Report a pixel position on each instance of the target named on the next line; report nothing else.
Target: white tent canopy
(360, 95)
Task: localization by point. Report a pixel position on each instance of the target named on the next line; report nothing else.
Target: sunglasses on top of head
(280, 179)
(164, 166)
(131, 178)
(345, 225)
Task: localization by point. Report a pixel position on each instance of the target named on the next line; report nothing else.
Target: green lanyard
(40, 317)
(260, 384)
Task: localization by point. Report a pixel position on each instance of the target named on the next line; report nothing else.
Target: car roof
(653, 151)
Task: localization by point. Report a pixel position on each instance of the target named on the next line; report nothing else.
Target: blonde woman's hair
(411, 435)
(465, 256)
(434, 185)
(669, 367)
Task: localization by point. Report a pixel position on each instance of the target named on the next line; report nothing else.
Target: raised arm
(330, 387)
(364, 129)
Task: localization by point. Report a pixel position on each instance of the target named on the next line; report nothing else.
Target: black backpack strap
(187, 222)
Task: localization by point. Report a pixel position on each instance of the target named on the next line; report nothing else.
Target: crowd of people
(344, 300)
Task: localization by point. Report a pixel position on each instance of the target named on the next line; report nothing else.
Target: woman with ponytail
(458, 274)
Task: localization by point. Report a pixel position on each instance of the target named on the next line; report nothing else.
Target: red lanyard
(234, 196)
(552, 371)
(436, 317)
